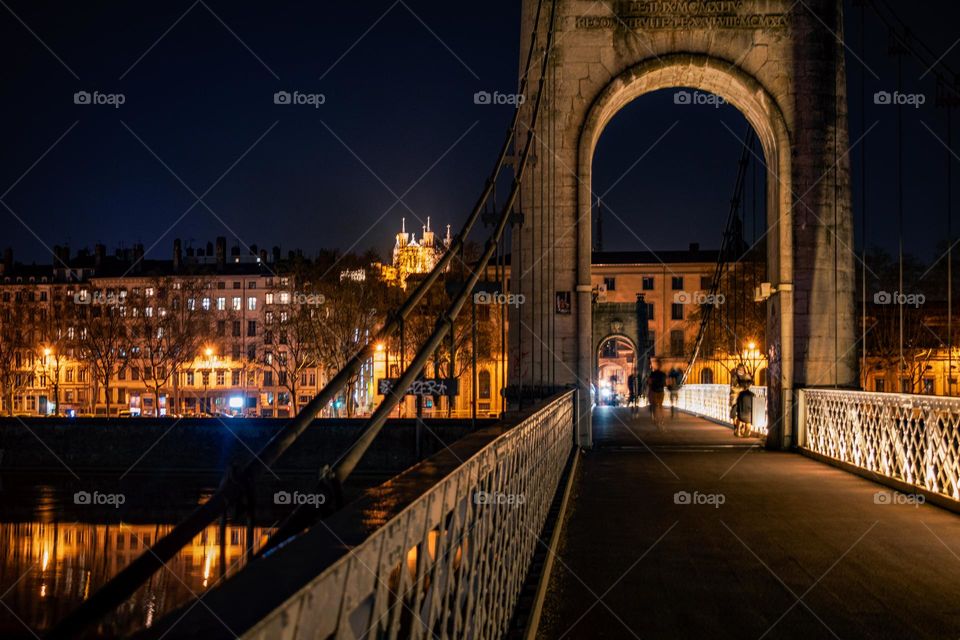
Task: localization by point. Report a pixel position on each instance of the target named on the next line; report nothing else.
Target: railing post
(801, 424)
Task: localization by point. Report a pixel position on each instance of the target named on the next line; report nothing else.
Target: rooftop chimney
(137, 266)
(99, 253)
(177, 254)
(221, 252)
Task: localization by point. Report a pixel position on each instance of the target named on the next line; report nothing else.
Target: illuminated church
(411, 256)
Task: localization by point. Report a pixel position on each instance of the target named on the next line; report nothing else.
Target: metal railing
(714, 401)
(910, 438)
(452, 563)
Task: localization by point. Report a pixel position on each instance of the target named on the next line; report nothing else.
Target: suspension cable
(116, 590)
(352, 457)
(707, 309)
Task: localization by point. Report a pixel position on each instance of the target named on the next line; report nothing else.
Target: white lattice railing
(452, 563)
(714, 401)
(910, 438)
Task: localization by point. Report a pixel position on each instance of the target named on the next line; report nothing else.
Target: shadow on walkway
(696, 534)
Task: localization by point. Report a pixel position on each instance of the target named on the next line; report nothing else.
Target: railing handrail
(289, 609)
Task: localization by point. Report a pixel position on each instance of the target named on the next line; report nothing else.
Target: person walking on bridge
(656, 383)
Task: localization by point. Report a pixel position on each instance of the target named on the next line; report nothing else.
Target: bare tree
(56, 339)
(169, 320)
(14, 344)
(103, 340)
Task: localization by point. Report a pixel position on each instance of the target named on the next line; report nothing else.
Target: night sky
(398, 80)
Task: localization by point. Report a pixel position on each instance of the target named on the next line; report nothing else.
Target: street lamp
(55, 382)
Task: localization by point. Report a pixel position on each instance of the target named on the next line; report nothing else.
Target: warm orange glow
(379, 346)
(47, 351)
(208, 352)
(751, 346)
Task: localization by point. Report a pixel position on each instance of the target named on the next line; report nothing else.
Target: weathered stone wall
(207, 445)
(778, 62)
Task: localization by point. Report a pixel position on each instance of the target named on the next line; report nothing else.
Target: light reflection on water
(49, 565)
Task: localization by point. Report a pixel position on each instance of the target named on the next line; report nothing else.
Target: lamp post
(47, 352)
(205, 375)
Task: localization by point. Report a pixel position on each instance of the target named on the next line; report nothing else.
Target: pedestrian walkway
(693, 533)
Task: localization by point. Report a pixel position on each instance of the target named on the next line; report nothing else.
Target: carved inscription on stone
(657, 15)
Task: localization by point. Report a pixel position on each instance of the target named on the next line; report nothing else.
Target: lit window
(285, 297)
(236, 303)
(251, 304)
(221, 304)
(268, 298)
(205, 303)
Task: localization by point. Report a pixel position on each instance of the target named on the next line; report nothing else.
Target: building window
(252, 352)
(252, 284)
(268, 378)
(928, 386)
(268, 298)
(235, 377)
(706, 376)
(251, 304)
(879, 385)
(236, 329)
(205, 303)
(676, 283)
(647, 283)
(610, 283)
(676, 342)
(650, 311)
(221, 377)
(676, 311)
(251, 328)
(221, 328)
(221, 304)
(237, 302)
(905, 386)
(483, 384)
(189, 378)
(651, 341)
(205, 378)
(221, 285)
(236, 284)
(706, 282)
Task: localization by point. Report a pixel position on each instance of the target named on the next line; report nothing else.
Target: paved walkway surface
(797, 549)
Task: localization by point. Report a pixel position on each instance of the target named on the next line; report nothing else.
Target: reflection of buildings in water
(49, 568)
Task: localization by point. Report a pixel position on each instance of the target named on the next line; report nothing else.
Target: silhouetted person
(656, 383)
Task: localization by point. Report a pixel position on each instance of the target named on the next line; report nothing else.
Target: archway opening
(684, 218)
(616, 371)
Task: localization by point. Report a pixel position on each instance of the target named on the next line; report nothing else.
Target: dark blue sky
(399, 97)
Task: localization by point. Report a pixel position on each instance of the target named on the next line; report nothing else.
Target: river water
(62, 537)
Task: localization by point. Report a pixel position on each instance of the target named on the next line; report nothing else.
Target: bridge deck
(797, 550)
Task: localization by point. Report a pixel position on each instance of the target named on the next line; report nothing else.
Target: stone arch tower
(781, 64)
